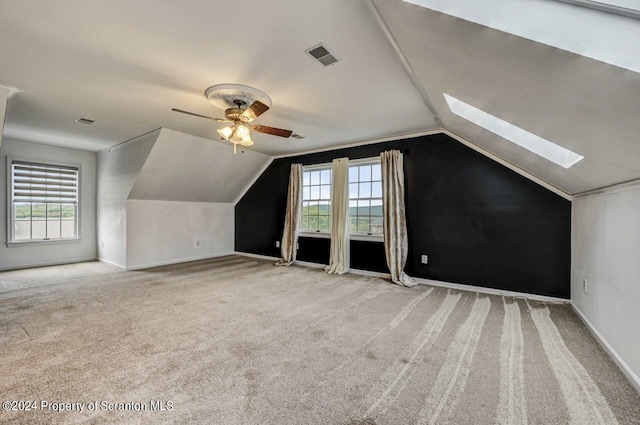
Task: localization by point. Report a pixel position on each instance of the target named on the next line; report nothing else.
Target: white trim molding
(180, 260)
(318, 235)
(364, 143)
(366, 238)
(605, 7)
(624, 367)
(111, 263)
(258, 256)
(47, 264)
(509, 165)
(611, 189)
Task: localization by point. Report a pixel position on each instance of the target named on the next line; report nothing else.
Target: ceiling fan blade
(272, 130)
(256, 109)
(198, 115)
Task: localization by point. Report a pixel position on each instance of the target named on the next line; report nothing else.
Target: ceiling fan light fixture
(242, 105)
(246, 141)
(249, 115)
(242, 131)
(235, 138)
(225, 132)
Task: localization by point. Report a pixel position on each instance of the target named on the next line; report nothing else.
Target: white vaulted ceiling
(558, 71)
(126, 64)
(583, 104)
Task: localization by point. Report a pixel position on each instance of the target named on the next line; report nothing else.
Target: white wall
(117, 172)
(606, 252)
(161, 194)
(162, 232)
(45, 253)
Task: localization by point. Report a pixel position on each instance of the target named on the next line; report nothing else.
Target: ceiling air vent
(84, 120)
(322, 55)
(297, 136)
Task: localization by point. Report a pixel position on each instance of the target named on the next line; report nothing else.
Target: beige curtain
(396, 243)
(294, 204)
(339, 260)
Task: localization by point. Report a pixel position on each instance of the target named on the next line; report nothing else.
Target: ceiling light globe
(225, 132)
(246, 141)
(242, 131)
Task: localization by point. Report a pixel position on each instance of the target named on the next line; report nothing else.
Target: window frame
(355, 236)
(315, 233)
(11, 242)
(361, 236)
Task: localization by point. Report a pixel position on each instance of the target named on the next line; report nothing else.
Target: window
(316, 199)
(365, 198)
(543, 147)
(44, 202)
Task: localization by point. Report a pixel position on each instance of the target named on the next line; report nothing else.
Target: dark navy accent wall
(479, 222)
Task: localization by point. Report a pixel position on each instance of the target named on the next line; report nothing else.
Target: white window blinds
(44, 183)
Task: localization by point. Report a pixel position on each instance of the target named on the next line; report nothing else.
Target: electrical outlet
(424, 259)
(277, 244)
(102, 244)
(297, 246)
(585, 286)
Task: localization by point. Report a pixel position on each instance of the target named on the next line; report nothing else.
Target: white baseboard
(624, 367)
(370, 273)
(179, 260)
(258, 256)
(102, 260)
(47, 264)
(491, 291)
(270, 258)
(456, 286)
(310, 264)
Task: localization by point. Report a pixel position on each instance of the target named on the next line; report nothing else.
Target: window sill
(321, 235)
(14, 244)
(324, 235)
(367, 238)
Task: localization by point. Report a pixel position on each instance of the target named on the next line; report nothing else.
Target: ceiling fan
(242, 105)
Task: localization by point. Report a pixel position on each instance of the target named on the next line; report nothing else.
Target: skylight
(536, 144)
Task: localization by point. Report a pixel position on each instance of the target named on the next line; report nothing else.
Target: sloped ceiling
(588, 106)
(126, 63)
(562, 72)
(182, 167)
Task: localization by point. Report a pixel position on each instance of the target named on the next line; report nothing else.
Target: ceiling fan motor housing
(234, 114)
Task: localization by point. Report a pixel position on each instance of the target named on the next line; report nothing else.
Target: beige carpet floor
(239, 341)
(26, 278)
